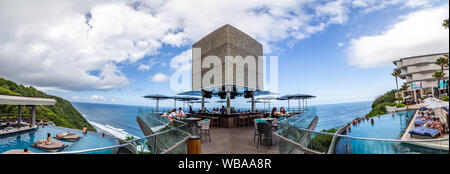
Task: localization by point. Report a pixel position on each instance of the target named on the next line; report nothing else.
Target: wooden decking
(443, 145)
(235, 141)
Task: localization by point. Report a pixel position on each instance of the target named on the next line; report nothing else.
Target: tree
(445, 24)
(438, 76)
(442, 61)
(396, 74)
(405, 87)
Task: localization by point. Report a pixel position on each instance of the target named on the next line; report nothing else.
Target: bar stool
(247, 120)
(241, 121)
(215, 121)
(251, 119)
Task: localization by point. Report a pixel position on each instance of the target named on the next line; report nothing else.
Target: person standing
(85, 129)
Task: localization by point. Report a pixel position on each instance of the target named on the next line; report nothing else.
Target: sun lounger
(423, 133)
(53, 147)
(71, 137)
(418, 123)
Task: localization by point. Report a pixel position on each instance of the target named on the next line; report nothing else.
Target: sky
(111, 51)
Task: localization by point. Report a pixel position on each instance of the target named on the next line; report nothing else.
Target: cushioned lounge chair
(53, 147)
(71, 137)
(424, 133)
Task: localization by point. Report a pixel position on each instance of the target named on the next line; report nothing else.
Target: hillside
(62, 113)
(380, 103)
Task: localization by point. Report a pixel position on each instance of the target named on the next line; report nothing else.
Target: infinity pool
(386, 126)
(88, 141)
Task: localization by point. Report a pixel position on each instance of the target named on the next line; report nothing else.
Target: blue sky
(330, 52)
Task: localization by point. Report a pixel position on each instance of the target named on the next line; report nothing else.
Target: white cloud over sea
(82, 45)
(418, 33)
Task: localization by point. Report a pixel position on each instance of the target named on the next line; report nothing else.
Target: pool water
(386, 126)
(88, 141)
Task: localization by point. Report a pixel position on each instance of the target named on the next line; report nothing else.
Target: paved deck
(235, 141)
(444, 145)
(7, 132)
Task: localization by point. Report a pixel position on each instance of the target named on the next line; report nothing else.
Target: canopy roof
(19, 100)
(434, 103)
(257, 101)
(158, 97)
(217, 89)
(198, 102)
(186, 98)
(296, 96)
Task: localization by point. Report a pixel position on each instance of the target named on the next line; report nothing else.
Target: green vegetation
(392, 104)
(322, 142)
(62, 113)
(396, 74)
(445, 98)
(400, 105)
(379, 105)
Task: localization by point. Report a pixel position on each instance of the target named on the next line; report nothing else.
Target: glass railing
(288, 129)
(154, 121)
(297, 136)
(168, 138)
(322, 142)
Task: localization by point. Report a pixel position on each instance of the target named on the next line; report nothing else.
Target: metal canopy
(157, 97)
(296, 96)
(217, 89)
(19, 100)
(303, 97)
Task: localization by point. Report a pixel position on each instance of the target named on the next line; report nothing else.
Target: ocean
(120, 120)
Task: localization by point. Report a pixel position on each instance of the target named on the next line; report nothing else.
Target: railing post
(194, 145)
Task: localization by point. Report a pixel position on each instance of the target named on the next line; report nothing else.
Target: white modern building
(418, 72)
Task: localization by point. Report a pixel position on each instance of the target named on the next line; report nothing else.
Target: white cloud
(81, 45)
(150, 64)
(75, 97)
(182, 61)
(97, 97)
(160, 78)
(340, 44)
(143, 67)
(417, 33)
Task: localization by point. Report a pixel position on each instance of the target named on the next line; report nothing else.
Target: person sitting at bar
(222, 110)
(282, 112)
(180, 113)
(172, 114)
(274, 113)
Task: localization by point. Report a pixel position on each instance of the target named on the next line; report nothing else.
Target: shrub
(392, 104)
(387, 97)
(322, 142)
(400, 105)
(445, 98)
(399, 99)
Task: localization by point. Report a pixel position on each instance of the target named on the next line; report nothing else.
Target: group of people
(358, 120)
(174, 114)
(281, 113)
(430, 121)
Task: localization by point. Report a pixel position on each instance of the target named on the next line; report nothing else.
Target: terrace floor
(235, 141)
